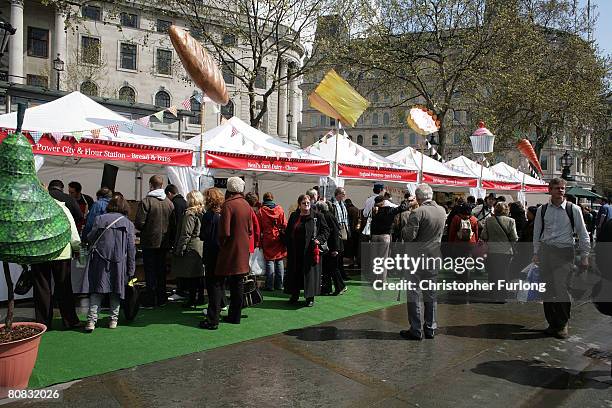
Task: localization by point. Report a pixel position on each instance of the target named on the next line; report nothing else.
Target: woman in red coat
(463, 234)
(272, 223)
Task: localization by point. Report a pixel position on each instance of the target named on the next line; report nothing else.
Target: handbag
(130, 304)
(323, 247)
(25, 282)
(367, 229)
(251, 295)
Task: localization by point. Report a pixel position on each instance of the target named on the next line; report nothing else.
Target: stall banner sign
(536, 188)
(235, 161)
(110, 150)
(375, 173)
(500, 185)
(449, 180)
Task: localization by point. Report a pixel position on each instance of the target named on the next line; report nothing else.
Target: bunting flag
(78, 135)
(57, 136)
(198, 97)
(130, 126)
(173, 110)
(36, 135)
(288, 155)
(160, 116)
(144, 121)
(234, 132)
(335, 98)
(433, 152)
(114, 129)
(95, 133)
(186, 104)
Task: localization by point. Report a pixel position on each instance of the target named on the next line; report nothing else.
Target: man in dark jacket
(56, 190)
(180, 205)
(152, 220)
(235, 230)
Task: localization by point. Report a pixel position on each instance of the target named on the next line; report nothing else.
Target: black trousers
(331, 274)
(43, 299)
(154, 262)
(556, 269)
(216, 293)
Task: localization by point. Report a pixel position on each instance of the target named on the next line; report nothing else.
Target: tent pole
(336, 149)
(202, 108)
(422, 154)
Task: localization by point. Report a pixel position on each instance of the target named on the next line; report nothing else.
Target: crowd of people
(210, 238)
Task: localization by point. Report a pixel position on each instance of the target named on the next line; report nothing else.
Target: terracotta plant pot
(17, 360)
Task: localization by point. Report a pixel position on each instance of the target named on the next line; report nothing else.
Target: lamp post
(58, 65)
(6, 30)
(566, 161)
(289, 120)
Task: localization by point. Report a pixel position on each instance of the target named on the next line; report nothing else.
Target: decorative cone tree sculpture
(33, 228)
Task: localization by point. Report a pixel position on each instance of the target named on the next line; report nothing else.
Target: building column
(59, 44)
(281, 121)
(16, 43)
(294, 103)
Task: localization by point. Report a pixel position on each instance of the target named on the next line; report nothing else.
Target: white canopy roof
(350, 152)
(412, 158)
(77, 112)
(515, 174)
(235, 136)
(490, 178)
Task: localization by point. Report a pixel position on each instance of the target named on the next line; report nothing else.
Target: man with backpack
(555, 225)
(485, 210)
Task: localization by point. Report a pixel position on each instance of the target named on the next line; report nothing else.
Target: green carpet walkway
(171, 332)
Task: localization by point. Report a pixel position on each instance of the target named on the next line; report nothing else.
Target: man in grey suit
(425, 226)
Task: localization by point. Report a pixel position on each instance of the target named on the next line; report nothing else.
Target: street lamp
(6, 30)
(289, 120)
(566, 161)
(58, 65)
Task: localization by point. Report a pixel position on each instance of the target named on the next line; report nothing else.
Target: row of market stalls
(75, 136)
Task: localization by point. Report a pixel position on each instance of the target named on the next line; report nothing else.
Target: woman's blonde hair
(214, 199)
(502, 209)
(195, 202)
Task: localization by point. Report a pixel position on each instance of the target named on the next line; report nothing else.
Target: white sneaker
(175, 297)
(90, 326)
(112, 324)
(225, 309)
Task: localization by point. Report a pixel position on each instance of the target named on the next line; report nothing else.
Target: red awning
(449, 180)
(536, 188)
(500, 185)
(353, 171)
(236, 161)
(108, 150)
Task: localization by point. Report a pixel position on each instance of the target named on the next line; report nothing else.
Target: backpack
(464, 233)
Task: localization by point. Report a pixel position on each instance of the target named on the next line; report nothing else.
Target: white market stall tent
(491, 180)
(432, 171)
(137, 150)
(267, 163)
(54, 127)
(530, 184)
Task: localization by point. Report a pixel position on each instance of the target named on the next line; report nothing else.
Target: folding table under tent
(490, 180)
(268, 164)
(137, 150)
(433, 172)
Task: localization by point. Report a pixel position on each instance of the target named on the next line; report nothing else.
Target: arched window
(401, 140)
(374, 140)
(89, 88)
(227, 111)
(385, 140)
(162, 98)
(360, 139)
(386, 118)
(127, 94)
(375, 119)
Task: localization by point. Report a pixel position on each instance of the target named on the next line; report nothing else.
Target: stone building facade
(127, 55)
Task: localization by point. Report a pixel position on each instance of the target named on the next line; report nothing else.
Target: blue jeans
(275, 271)
(428, 298)
(95, 301)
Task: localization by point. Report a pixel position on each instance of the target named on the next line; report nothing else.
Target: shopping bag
(251, 296)
(130, 305)
(257, 263)
(532, 272)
